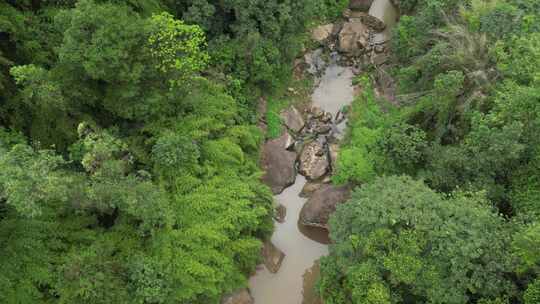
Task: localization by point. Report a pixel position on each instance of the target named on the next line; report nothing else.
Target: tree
(398, 241)
(176, 46)
(30, 181)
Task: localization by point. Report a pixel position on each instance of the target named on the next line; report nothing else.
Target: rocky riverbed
(298, 165)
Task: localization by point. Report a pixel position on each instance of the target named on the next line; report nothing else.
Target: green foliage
(92, 275)
(403, 147)
(273, 119)
(519, 58)
(357, 159)
(159, 200)
(29, 180)
(467, 125)
(396, 234)
(532, 295)
(525, 244)
(176, 46)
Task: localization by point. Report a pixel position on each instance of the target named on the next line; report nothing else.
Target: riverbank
(309, 144)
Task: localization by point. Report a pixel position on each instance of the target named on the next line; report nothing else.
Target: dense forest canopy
(447, 209)
(128, 151)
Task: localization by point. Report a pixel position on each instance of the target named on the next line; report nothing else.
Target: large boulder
(273, 257)
(292, 119)
(278, 163)
(322, 32)
(353, 38)
(360, 5)
(241, 296)
(314, 160)
(322, 204)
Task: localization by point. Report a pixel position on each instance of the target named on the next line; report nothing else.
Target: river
(303, 247)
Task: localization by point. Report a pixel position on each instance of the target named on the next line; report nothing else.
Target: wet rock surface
(273, 257)
(348, 47)
(278, 163)
(322, 204)
(363, 37)
(241, 296)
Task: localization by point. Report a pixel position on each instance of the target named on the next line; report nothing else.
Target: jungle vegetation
(128, 146)
(447, 204)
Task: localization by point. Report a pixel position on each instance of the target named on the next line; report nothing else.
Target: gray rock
(322, 204)
(292, 119)
(313, 160)
(273, 257)
(278, 163)
(379, 48)
(380, 59)
(372, 22)
(327, 117)
(241, 296)
(316, 112)
(360, 5)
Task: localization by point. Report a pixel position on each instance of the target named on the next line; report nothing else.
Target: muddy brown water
(304, 246)
(286, 286)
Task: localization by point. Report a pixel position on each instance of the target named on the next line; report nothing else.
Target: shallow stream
(303, 246)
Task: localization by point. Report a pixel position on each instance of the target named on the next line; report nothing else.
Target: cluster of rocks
(358, 37)
(362, 39)
(309, 145)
